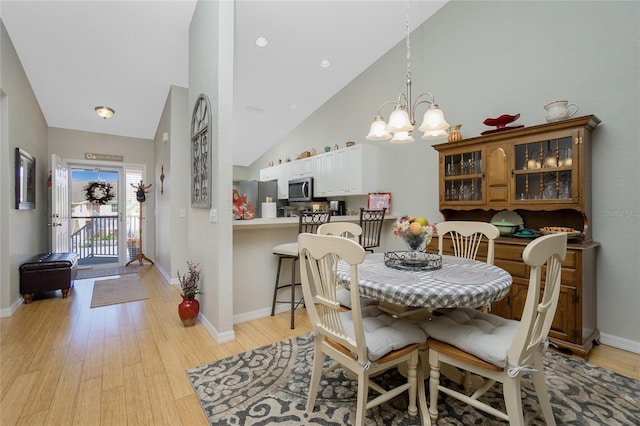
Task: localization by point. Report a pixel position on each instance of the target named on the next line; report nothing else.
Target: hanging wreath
(99, 192)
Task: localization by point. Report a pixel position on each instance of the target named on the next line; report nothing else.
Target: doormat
(118, 290)
(83, 274)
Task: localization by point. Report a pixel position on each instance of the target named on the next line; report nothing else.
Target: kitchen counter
(254, 264)
(282, 222)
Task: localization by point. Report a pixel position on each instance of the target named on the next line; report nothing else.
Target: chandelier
(402, 119)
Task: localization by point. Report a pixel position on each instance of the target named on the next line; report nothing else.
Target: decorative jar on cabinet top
(454, 133)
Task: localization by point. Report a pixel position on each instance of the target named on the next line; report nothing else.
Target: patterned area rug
(118, 290)
(269, 386)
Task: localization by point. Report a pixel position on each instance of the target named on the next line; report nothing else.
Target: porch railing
(98, 237)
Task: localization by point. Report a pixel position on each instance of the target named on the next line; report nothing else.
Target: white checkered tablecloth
(459, 283)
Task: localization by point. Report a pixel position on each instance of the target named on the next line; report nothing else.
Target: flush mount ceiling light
(104, 112)
(261, 42)
(402, 119)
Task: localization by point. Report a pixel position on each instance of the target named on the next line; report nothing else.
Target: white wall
(24, 232)
(484, 59)
(210, 243)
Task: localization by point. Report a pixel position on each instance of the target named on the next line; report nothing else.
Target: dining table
(458, 282)
(454, 282)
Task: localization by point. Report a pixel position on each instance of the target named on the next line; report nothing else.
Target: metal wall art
(201, 153)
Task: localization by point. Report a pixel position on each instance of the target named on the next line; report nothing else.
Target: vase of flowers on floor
(415, 231)
(189, 308)
(133, 247)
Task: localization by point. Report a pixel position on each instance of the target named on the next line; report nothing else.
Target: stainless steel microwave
(301, 189)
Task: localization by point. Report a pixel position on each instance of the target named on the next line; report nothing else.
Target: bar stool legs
(291, 285)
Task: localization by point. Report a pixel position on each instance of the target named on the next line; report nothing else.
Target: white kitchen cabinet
(301, 168)
(362, 169)
(281, 174)
(320, 181)
(341, 172)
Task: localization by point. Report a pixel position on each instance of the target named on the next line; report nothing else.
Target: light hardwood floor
(63, 363)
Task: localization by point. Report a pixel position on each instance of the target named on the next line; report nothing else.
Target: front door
(59, 205)
(95, 215)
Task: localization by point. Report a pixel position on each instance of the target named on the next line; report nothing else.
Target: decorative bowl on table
(412, 260)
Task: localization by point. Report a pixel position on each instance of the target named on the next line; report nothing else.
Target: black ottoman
(47, 272)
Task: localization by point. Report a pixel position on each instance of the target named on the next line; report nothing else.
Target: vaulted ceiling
(126, 55)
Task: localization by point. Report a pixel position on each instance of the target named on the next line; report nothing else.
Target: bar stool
(371, 223)
(309, 222)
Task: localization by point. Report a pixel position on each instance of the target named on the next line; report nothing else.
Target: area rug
(117, 290)
(269, 386)
(85, 273)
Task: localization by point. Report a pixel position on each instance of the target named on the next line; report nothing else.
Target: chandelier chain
(408, 45)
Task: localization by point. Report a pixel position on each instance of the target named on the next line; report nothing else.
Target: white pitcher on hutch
(560, 110)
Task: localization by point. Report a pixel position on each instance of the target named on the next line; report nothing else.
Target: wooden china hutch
(543, 173)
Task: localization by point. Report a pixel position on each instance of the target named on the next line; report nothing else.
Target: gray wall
(483, 59)
(210, 239)
(171, 226)
(24, 232)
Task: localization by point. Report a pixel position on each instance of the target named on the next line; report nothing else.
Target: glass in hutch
(463, 176)
(543, 170)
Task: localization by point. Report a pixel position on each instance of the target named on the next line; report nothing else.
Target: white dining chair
(499, 349)
(466, 237)
(365, 345)
(348, 230)
(352, 231)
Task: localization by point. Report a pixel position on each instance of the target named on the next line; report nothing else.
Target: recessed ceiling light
(104, 111)
(325, 63)
(261, 42)
(293, 106)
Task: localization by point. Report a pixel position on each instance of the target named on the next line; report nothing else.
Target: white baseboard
(237, 319)
(218, 337)
(261, 313)
(7, 312)
(620, 343)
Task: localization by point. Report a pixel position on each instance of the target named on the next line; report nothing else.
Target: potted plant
(189, 308)
(133, 246)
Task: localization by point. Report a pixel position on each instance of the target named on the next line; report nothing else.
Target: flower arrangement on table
(190, 282)
(415, 231)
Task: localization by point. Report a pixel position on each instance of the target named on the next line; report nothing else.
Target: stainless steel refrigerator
(257, 192)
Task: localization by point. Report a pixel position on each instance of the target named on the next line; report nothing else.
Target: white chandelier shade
(378, 130)
(402, 137)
